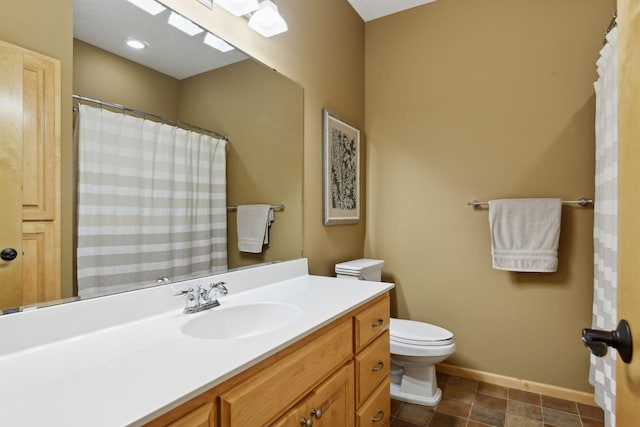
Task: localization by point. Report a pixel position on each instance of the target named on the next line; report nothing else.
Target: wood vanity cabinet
(202, 416)
(372, 364)
(336, 377)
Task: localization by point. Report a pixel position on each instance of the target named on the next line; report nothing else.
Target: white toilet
(415, 346)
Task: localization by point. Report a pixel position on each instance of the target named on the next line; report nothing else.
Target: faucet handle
(187, 291)
(220, 287)
(191, 297)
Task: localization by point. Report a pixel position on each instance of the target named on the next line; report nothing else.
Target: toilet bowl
(415, 346)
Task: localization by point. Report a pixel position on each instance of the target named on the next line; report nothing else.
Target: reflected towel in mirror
(253, 227)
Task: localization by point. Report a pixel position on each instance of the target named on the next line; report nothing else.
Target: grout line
(508, 398)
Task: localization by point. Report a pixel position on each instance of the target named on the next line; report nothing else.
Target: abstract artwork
(341, 171)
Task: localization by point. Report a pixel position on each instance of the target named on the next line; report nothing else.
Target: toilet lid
(418, 333)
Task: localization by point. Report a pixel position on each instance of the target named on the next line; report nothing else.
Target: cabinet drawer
(377, 409)
(372, 367)
(282, 384)
(203, 416)
(371, 322)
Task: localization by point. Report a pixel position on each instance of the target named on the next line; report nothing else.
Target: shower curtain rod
(145, 114)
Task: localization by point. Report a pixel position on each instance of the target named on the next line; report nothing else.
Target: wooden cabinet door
(30, 169)
(332, 403)
(329, 405)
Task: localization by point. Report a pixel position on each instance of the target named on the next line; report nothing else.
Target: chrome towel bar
(581, 201)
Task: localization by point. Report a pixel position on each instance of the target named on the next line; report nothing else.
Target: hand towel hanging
(253, 227)
(525, 234)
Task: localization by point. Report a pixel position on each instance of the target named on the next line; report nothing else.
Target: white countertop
(115, 367)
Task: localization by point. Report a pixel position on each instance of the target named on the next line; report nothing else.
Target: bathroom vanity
(284, 348)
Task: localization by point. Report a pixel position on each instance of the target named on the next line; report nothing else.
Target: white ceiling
(374, 9)
(106, 24)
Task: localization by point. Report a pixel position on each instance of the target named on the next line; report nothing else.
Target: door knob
(598, 341)
(8, 254)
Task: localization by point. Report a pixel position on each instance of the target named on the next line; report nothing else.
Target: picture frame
(341, 170)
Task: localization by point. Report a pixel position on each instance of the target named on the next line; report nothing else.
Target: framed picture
(341, 170)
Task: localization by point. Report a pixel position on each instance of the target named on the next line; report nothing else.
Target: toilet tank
(362, 269)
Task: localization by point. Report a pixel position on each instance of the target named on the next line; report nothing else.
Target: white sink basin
(242, 321)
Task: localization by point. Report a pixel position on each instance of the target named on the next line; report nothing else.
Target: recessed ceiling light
(150, 6)
(184, 25)
(135, 43)
(217, 43)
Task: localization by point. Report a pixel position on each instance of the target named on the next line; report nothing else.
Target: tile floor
(470, 403)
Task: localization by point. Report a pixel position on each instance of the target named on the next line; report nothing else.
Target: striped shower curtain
(602, 374)
(151, 202)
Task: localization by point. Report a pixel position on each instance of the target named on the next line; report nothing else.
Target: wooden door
(30, 172)
(628, 375)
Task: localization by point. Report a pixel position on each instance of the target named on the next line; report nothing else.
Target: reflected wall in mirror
(259, 109)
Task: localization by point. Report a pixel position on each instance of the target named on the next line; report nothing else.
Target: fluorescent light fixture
(238, 7)
(150, 6)
(217, 43)
(135, 43)
(184, 25)
(267, 21)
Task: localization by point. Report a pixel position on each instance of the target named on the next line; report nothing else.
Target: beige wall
(324, 52)
(481, 100)
(261, 111)
(47, 27)
(102, 75)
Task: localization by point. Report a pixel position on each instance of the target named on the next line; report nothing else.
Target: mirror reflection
(180, 78)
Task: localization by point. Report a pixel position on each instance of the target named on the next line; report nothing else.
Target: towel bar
(274, 207)
(581, 201)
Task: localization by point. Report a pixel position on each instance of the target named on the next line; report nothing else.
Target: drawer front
(376, 412)
(282, 384)
(203, 416)
(372, 367)
(371, 322)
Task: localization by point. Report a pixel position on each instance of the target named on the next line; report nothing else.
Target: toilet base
(415, 398)
(414, 381)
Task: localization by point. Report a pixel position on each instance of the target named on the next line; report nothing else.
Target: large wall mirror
(181, 78)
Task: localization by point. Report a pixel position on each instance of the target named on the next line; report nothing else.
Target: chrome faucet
(202, 298)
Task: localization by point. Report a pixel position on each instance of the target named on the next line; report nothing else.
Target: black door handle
(8, 254)
(598, 341)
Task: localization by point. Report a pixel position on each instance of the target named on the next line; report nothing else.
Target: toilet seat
(419, 333)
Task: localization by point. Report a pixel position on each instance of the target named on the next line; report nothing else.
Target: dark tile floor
(470, 403)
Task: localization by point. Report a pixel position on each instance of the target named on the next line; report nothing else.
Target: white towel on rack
(525, 234)
(253, 227)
